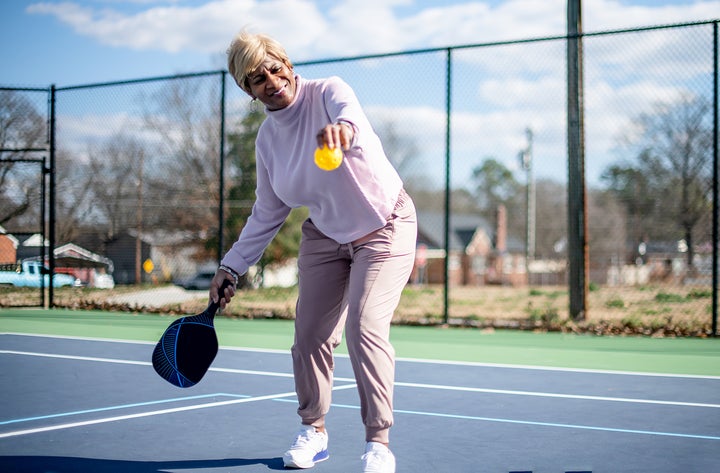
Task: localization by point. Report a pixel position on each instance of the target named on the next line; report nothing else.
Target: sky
(81, 42)
(87, 41)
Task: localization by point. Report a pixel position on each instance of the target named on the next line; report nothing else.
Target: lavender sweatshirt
(346, 203)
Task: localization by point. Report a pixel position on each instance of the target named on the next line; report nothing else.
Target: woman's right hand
(335, 135)
(217, 281)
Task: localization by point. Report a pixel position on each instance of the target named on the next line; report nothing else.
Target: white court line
(534, 423)
(541, 424)
(119, 407)
(271, 373)
(282, 397)
(403, 359)
(173, 410)
(144, 414)
(75, 357)
(147, 363)
(397, 383)
(559, 369)
(556, 395)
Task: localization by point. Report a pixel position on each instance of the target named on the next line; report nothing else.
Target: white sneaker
(378, 459)
(310, 447)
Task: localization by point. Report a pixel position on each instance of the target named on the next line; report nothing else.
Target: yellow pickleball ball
(328, 159)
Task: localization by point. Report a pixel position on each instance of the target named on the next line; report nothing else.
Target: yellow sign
(148, 266)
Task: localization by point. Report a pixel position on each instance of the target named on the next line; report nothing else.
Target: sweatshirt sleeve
(342, 104)
(267, 216)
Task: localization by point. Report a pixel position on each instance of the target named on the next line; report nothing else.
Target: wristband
(231, 272)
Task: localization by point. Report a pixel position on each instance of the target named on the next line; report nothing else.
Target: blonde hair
(248, 51)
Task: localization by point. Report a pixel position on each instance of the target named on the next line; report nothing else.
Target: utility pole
(139, 221)
(526, 161)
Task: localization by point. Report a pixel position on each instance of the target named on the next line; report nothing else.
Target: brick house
(480, 253)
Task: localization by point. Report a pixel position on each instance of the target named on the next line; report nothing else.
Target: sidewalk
(158, 297)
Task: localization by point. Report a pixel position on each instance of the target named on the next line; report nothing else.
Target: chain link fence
(478, 133)
(138, 173)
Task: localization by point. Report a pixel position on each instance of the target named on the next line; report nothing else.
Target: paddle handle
(214, 306)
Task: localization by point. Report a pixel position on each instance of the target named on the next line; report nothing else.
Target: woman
(357, 247)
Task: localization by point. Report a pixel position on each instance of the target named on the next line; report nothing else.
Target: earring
(255, 105)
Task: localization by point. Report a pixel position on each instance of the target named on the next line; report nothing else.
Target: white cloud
(206, 28)
(351, 27)
(80, 134)
(601, 15)
(518, 86)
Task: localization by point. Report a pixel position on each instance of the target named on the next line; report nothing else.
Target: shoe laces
(373, 459)
(308, 437)
(376, 458)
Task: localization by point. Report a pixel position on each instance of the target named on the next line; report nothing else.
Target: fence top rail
(22, 160)
(24, 89)
(509, 42)
(147, 79)
(377, 56)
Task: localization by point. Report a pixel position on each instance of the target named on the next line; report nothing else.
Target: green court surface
(637, 354)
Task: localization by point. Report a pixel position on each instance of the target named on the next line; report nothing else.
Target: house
(8, 247)
(91, 269)
(169, 253)
(480, 253)
(24, 246)
(122, 250)
(177, 254)
(30, 245)
(664, 262)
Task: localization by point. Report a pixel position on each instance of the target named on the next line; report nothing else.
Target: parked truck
(28, 274)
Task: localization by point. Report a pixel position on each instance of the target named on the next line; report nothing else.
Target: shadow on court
(55, 464)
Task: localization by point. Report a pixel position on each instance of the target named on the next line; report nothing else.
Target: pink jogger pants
(354, 286)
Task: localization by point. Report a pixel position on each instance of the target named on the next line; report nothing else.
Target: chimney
(501, 229)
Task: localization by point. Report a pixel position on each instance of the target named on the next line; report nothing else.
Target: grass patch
(669, 297)
(497, 306)
(700, 294)
(615, 304)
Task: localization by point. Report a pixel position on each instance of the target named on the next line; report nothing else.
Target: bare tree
(673, 146)
(185, 164)
(551, 219)
(22, 128)
(115, 176)
(607, 230)
(631, 187)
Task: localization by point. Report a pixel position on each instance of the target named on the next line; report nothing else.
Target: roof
(73, 256)
(431, 229)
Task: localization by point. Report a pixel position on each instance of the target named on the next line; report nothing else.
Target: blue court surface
(84, 405)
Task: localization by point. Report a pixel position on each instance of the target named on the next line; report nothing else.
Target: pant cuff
(377, 434)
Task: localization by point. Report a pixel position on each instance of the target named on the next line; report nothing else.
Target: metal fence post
(448, 193)
(577, 203)
(221, 209)
(52, 200)
(715, 184)
(43, 225)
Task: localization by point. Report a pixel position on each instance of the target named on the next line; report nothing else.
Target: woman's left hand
(335, 135)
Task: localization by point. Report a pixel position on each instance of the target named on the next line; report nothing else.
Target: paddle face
(187, 348)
